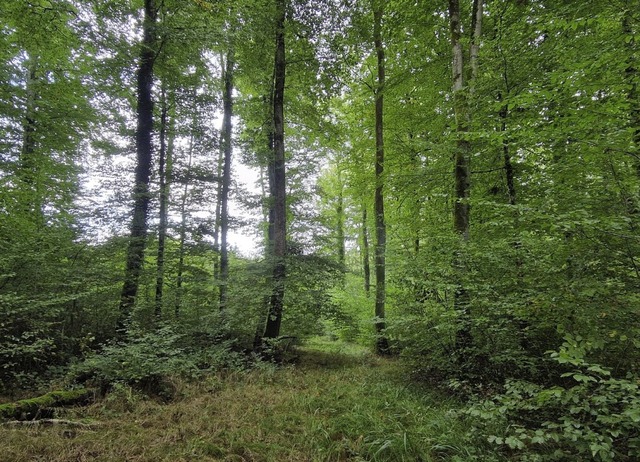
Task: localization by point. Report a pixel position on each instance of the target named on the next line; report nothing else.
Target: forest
(441, 198)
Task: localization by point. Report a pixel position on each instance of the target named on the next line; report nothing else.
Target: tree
(382, 345)
(44, 117)
(144, 151)
(164, 174)
(226, 173)
(274, 318)
(462, 91)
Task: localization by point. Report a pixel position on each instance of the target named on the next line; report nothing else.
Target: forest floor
(337, 403)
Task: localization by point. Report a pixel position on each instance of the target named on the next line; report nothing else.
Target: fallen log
(28, 409)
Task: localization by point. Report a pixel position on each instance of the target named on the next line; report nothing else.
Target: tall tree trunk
(268, 215)
(462, 119)
(138, 234)
(365, 252)
(462, 173)
(29, 172)
(382, 344)
(274, 319)
(183, 234)
(506, 155)
(340, 223)
(218, 213)
(226, 176)
(164, 173)
(27, 162)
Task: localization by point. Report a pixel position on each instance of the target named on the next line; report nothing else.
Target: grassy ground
(339, 403)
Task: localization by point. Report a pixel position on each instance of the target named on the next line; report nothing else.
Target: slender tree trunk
(508, 165)
(226, 176)
(382, 344)
(138, 233)
(462, 119)
(30, 173)
(274, 319)
(164, 169)
(507, 162)
(27, 162)
(183, 235)
(268, 215)
(340, 223)
(216, 237)
(462, 173)
(365, 252)
(217, 218)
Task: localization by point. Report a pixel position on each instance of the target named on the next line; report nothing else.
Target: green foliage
(352, 321)
(310, 279)
(592, 415)
(147, 360)
(54, 302)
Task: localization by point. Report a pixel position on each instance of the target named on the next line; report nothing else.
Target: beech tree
(381, 231)
(462, 92)
(227, 147)
(278, 192)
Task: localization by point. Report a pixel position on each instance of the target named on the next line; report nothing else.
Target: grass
(339, 403)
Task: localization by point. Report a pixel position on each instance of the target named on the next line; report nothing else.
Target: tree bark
(226, 176)
(138, 231)
(274, 319)
(164, 169)
(183, 234)
(462, 120)
(462, 110)
(30, 172)
(366, 268)
(382, 344)
(340, 223)
(218, 211)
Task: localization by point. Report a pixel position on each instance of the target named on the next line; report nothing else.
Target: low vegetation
(337, 403)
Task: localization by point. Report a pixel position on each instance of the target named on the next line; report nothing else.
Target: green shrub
(143, 362)
(592, 416)
(148, 359)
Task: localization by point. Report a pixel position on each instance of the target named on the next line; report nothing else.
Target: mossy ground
(338, 403)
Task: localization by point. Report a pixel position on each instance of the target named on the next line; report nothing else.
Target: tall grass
(339, 403)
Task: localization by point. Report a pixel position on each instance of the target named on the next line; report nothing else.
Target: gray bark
(226, 176)
(274, 319)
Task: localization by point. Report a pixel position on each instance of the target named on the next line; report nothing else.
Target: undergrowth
(338, 403)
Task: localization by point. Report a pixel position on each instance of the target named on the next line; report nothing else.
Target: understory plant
(588, 415)
(147, 360)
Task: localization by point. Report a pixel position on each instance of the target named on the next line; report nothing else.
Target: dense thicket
(482, 156)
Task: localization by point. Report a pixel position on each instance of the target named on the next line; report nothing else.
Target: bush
(148, 360)
(143, 363)
(593, 416)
